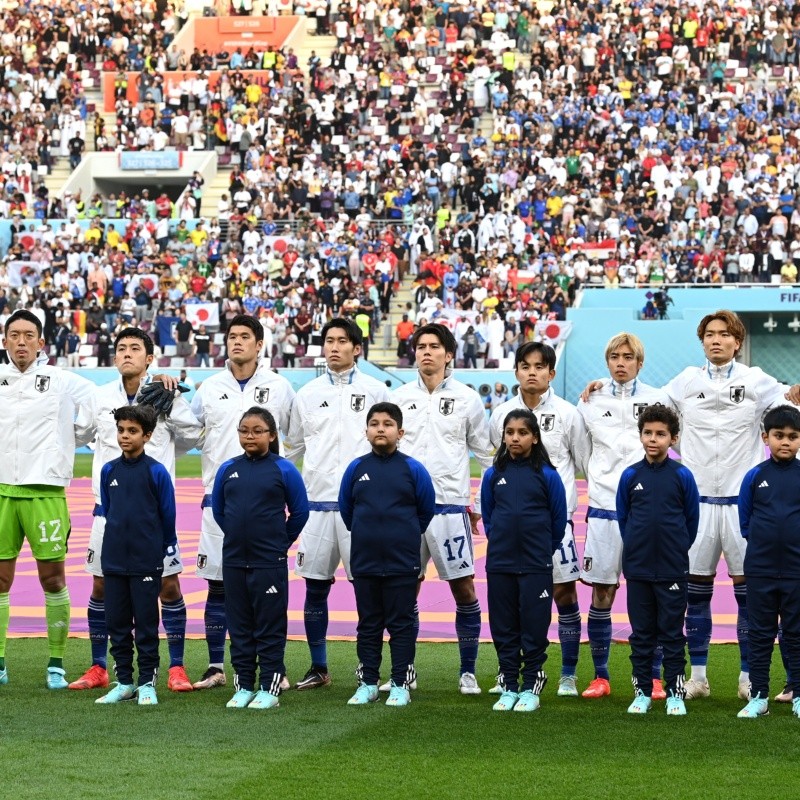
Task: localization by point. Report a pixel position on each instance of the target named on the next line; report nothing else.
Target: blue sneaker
(640, 705)
(55, 678)
(364, 694)
(264, 700)
(528, 701)
(796, 706)
(3, 676)
(120, 692)
(398, 696)
(506, 701)
(241, 699)
(757, 707)
(147, 695)
(675, 706)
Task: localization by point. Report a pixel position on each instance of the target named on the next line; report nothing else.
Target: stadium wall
(770, 313)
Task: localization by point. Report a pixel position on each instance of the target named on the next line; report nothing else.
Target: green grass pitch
(443, 745)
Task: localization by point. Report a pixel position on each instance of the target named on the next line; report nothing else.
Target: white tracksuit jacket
(327, 428)
(39, 411)
(611, 422)
(563, 435)
(441, 428)
(219, 404)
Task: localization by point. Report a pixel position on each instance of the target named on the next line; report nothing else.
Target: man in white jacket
(444, 420)
(219, 403)
(327, 430)
(39, 406)
(174, 435)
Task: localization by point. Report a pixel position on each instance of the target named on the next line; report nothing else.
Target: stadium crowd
(502, 153)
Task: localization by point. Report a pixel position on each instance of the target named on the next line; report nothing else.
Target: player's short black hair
(22, 314)
(444, 335)
(782, 417)
(353, 332)
(145, 416)
(660, 413)
(392, 409)
(246, 321)
(540, 348)
(136, 333)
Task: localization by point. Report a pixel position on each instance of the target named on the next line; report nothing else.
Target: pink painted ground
(436, 604)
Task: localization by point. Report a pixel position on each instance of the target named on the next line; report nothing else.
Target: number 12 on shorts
(54, 534)
(458, 541)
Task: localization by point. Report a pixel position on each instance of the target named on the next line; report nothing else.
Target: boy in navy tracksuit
(658, 512)
(138, 502)
(250, 497)
(769, 513)
(387, 501)
(524, 509)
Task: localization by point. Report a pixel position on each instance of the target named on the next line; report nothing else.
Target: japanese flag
(202, 314)
(552, 332)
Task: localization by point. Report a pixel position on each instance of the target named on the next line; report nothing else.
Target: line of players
(721, 405)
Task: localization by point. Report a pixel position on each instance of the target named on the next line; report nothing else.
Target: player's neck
(243, 372)
(432, 381)
(532, 399)
(132, 383)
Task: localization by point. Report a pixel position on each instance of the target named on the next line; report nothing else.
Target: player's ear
(764, 437)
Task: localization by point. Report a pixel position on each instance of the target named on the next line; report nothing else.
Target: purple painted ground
(436, 604)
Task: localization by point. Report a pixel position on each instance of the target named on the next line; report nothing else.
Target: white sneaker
(468, 684)
(497, 688)
(695, 689)
(785, 695)
(744, 690)
(567, 686)
(387, 687)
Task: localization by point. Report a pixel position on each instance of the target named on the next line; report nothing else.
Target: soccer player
(444, 421)
(610, 415)
(174, 435)
(326, 431)
(564, 436)
(722, 404)
(246, 381)
(39, 405)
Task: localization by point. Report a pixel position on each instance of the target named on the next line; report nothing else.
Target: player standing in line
(218, 404)
(610, 415)
(175, 434)
(326, 431)
(444, 421)
(564, 437)
(722, 404)
(39, 405)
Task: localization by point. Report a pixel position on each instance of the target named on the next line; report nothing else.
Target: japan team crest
(547, 422)
(201, 561)
(587, 564)
(261, 395)
(737, 394)
(357, 402)
(42, 383)
(446, 406)
(638, 408)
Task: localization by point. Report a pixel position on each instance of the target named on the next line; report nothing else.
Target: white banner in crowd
(21, 270)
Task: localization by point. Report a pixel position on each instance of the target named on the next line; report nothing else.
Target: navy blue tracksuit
(387, 503)
(769, 516)
(524, 516)
(138, 502)
(249, 501)
(658, 512)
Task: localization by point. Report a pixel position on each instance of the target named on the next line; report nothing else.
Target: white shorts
(448, 541)
(717, 534)
(602, 553)
(566, 568)
(209, 551)
(324, 542)
(172, 563)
